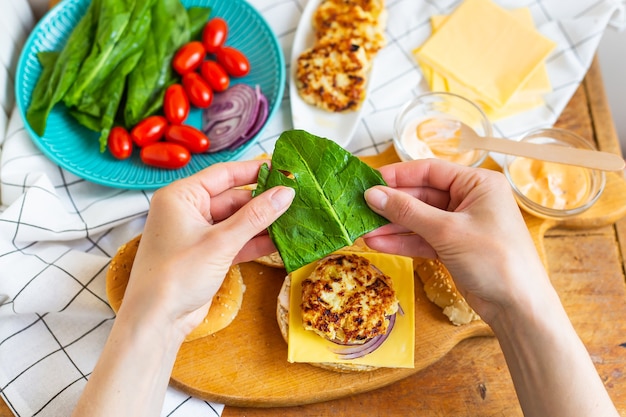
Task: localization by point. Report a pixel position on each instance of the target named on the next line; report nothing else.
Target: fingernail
(376, 198)
(282, 197)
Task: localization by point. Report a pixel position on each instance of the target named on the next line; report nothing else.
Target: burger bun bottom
(224, 306)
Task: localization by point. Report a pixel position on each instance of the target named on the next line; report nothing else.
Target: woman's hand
(196, 229)
(466, 217)
(469, 219)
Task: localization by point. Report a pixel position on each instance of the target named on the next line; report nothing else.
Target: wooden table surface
(587, 268)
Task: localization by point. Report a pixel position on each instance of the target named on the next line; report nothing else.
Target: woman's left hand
(196, 229)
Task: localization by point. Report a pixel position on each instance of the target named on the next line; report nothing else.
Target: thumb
(259, 213)
(405, 210)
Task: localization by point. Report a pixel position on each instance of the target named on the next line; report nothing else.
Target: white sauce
(415, 147)
(442, 133)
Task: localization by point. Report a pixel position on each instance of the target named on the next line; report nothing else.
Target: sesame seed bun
(273, 260)
(225, 305)
(441, 290)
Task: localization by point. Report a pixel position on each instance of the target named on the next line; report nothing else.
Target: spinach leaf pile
(116, 63)
(329, 211)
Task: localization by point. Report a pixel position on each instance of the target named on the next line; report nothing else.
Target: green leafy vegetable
(43, 97)
(118, 44)
(329, 210)
(55, 81)
(198, 17)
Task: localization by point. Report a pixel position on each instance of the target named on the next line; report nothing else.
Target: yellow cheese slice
(539, 81)
(529, 95)
(514, 107)
(479, 47)
(396, 352)
(518, 103)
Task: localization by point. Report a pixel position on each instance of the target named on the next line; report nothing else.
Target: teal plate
(75, 148)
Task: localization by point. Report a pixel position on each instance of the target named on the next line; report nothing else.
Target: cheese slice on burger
(397, 350)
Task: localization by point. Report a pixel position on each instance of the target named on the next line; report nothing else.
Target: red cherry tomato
(188, 57)
(198, 90)
(214, 34)
(215, 75)
(176, 104)
(148, 130)
(165, 155)
(120, 143)
(233, 60)
(188, 136)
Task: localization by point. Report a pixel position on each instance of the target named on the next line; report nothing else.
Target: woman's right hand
(466, 217)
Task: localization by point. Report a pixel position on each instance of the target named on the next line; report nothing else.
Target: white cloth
(58, 232)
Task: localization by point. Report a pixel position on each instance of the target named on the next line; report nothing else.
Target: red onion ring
(261, 117)
(231, 116)
(358, 351)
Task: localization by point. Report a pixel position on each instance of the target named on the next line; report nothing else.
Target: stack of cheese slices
(488, 54)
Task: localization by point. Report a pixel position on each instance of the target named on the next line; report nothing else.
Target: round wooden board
(246, 364)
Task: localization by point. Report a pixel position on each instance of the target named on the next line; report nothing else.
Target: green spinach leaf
(122, 29)
(329, 210)
(198, 17)
(106, 101)
(56, 80)
(154, 73)
(48, 60)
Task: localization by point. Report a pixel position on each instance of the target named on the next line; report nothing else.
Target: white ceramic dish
(338, 127)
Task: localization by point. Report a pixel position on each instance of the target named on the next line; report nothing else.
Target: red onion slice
(262, 112)
(358, 351)
(261, 117)
(231, 115)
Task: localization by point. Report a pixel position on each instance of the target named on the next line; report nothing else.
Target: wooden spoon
(442, 135)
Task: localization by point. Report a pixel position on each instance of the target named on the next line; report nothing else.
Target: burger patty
(374, 7)
(348, 20)
(347, 300)
(331, 75)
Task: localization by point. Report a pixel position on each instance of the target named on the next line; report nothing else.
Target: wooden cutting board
(246, 364)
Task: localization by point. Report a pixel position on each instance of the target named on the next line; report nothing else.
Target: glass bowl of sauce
(429, 126)
(552, 190)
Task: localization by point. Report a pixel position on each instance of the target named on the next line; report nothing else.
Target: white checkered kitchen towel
(58, 232)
